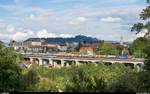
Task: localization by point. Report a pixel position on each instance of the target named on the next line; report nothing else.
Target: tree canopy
(138, 46)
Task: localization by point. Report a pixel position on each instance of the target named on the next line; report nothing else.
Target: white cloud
(81, 19)
(23, 35)
(19, 36)
(75, 16)
(78, 20)
(65, 35)
(4, 36)
(32, 17)
(10, 28)
(44, 34)
(110, 19)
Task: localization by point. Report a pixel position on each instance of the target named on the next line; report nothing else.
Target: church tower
(121, 40)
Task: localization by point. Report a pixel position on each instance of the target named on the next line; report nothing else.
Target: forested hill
(79, 38)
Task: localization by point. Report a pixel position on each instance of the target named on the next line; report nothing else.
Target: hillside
(79, 38)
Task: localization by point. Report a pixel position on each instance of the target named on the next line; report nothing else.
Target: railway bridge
(68, 60)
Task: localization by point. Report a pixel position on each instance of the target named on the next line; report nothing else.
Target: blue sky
(103, 19)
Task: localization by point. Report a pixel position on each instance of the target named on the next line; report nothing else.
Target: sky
(101, 19)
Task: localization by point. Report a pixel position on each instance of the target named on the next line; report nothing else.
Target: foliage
(126, 83)
(144, 83)
(108, 50)
(89, 78)
(138, 27)
(1, 44)
(105, 50)
(45, 87)
(29, 79)
(79, 46)
(81, 77)
(119, 48)
(138, 50)
(10, 72)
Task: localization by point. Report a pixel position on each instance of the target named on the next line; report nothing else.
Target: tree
(1, 44)
(84, 79)
(10, 72)
(144, 82)
(144, 76)
(79, 46)
(97, 50)
(45, 87)
(101, 44)
(138, 50)
(127, 82)
(119, 49)
(30, 79)
(138, 27)
(108, 50)
(11, 42)
(145, 15)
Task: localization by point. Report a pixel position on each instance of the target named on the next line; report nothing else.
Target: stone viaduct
(66, 61)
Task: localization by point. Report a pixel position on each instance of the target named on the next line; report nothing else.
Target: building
(20, 46)
(50, 47)
(35, 48)
(35, 43)
(86, 50)
(91, 45)
(62, 47)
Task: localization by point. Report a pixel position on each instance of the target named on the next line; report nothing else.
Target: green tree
(127, 82)
(144, 76)
(30, 78)
(1, 45)
(10, 72)
(45, 87)
(138, 27)
(119, 49)
(108, 50)
(138, 50)
(82, 79)
(144, 82)
(11, 43)
(79, 46)
(101, 44)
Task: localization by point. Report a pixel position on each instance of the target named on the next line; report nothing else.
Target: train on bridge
(81, 56)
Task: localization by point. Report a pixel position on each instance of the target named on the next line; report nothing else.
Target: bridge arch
(129, 64)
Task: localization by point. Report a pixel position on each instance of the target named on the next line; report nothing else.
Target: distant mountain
(79, 38)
